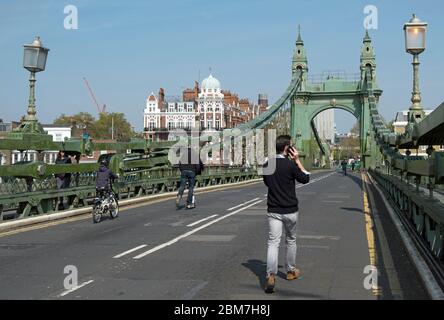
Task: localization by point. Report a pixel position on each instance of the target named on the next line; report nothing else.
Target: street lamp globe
(415, 35)
(415, 39)
(34, 57)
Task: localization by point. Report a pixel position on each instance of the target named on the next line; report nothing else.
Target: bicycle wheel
(114, 211)
(97, 215)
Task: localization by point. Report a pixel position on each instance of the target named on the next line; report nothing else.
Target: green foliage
(355, 128)
(98, 128)
(348, 148)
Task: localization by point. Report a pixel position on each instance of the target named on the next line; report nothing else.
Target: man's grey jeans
(276, 222)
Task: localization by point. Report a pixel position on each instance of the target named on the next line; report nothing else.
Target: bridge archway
(304, 110)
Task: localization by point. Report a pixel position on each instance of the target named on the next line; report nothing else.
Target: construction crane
(99, 109)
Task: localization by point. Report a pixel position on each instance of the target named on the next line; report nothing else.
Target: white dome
(210, 83)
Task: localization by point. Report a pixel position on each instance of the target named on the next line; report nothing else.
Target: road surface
(216, 251)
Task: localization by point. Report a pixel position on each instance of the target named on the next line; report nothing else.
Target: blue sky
(126, 49)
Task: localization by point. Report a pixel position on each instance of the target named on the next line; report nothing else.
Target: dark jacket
(104, 175)
(281, 186)
(65, 160)
(190, 161)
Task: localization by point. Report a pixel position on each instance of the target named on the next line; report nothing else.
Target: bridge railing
(24, 197)
(402, 176)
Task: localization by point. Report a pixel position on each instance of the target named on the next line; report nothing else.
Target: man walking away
(283, 207)
(344, 167)
(190, 166)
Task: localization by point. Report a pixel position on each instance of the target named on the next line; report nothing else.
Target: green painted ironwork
(30, 188)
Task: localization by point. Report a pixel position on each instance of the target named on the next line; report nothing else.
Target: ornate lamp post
(34, 60)
(415, 36)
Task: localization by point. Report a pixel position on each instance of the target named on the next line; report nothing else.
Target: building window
(217, 124)
(171, 125)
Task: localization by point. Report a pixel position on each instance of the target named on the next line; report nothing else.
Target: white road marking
(75, 288)
(197, 222)
(242, 204)
(129, 251)
(315, 180)
(149, 224)
(173, 241)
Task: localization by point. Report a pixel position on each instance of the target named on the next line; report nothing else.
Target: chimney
(161, 99)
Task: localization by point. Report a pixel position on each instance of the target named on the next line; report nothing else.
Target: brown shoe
(271, 280)
(293, 275)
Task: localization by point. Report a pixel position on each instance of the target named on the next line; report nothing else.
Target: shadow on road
(355, 178)
(352, 209)
(259, 268)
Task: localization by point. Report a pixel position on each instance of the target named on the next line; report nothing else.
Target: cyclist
(104, 177)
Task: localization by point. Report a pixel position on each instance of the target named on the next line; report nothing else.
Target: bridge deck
(220, 260)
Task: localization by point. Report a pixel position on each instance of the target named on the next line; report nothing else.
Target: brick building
(201, 107)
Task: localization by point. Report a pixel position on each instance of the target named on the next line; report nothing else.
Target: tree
(79, 122)
(355, 129)
(100, 128)
(109, 122)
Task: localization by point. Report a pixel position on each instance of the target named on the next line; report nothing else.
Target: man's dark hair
(281, 142)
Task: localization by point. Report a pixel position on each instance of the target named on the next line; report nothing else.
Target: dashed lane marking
(75, 288)
(129, 251)
(242, 204)
(173, 241)
(200, 221)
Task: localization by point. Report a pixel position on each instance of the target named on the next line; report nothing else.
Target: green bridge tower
(334, 92)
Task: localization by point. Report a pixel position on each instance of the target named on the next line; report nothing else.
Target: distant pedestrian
(62, 179)
(283, 207)
(190, 166)
(344, 167)
(353, 164)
